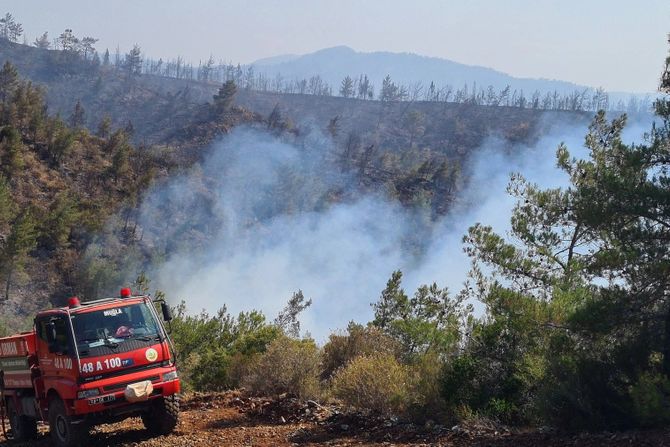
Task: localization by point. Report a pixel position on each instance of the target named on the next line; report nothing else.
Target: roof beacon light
(126, 292)
(73, 302)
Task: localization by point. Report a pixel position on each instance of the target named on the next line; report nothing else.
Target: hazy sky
(617, 44)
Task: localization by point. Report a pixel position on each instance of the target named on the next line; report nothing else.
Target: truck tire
(24, 428)
(64, 432)
(163, 416)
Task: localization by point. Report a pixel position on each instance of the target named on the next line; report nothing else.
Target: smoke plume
(276, 228)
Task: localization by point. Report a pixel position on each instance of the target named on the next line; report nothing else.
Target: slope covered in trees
(58, 186)
(410, 149)
(63, 187)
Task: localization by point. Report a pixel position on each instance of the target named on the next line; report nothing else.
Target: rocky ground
(230, 419)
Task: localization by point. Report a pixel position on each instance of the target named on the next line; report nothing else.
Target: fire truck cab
(90, 363)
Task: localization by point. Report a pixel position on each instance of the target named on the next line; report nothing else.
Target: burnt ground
(229, 419)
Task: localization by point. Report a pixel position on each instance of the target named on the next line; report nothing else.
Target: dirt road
(228, 420)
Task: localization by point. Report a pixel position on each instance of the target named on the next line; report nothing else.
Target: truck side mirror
(167, 312)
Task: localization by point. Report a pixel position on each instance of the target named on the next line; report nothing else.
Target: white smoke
(339, 252)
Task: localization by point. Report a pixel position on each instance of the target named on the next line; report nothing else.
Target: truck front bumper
(112, 396)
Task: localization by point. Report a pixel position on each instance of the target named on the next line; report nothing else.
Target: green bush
(378, 383)
(215, 351)
(501, 409)
(581, 392)
(359, 340)
(428, 402)
(651, 399)
(210, 371)
(288, 366)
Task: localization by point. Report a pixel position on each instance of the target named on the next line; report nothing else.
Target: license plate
(102, 399)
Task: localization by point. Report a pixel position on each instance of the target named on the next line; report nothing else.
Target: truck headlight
(83, 394)
(170, 376)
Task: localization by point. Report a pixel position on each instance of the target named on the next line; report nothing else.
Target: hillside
(61, 187)
(414, 152)
(385, 142)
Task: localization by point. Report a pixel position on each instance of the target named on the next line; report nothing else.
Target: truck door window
(62, 342)
(62, 339)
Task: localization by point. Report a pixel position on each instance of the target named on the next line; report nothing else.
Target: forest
(575, 332)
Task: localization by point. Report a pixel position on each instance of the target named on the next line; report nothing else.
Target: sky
(616, 44)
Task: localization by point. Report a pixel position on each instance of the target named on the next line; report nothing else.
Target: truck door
(55, 348)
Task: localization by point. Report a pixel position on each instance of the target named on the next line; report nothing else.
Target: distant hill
(333, 64)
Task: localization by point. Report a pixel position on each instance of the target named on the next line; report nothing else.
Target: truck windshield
(112, 328)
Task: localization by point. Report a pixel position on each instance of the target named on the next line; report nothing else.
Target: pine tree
(9, 79)
(105, 127)
(7, 205)
(78, 117)
(287, 319)
(364, 88)
(389, 91)
(59, 140)
(87, 46)
(10, 29)
(392, 303)
(121, 162)
(133, 61)
(224, 98)
(347, 87)
(68, 41)
(19, 243)
(588, 268)
(12, 151)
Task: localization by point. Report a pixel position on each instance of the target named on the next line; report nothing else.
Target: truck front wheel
(64, 431)
(163, 416)
(24, 428)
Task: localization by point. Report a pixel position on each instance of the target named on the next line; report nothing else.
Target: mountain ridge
(332, 64)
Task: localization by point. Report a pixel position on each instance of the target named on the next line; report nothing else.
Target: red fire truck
(90, 363)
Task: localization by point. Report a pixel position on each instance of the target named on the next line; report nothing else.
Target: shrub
(580, 393)
(426, 373)
(211, 371)
(359, 340)
(378, 383)
(501, 409)
(215, 351)
(651, 399)
(288, 366)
